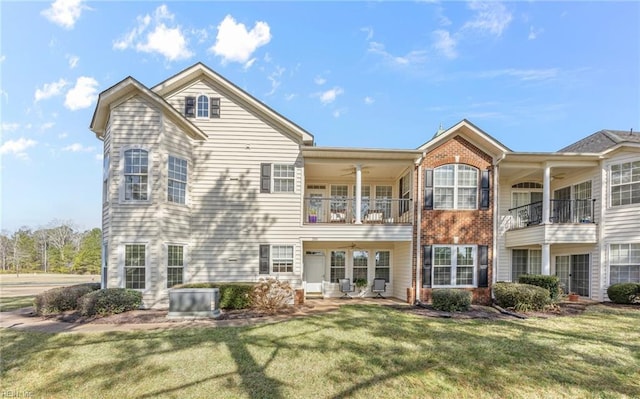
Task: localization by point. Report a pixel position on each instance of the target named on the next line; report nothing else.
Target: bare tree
(42, 240)
(60, 235)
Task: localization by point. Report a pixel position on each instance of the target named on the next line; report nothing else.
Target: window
(364, 199)
(175, 265)
(338, 204)
(215, 107)
(189, 107)
(134, 266)
(203, 107)
(360, 265)
(136, 175)
(282, 258)
(625, 183)
(177, 184)
(338, 259)
(525, 261)
(383, 200)
(383, 265)
(454, 265)
(405, 193)
(284, 178)
(624, 263)
(455, 186)
(105, 179)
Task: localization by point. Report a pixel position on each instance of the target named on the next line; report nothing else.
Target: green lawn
(16, 302)
(358, 351)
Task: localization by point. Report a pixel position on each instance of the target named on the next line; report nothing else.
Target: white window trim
(273, 178)
(121, 187)
(528, 260)
(186, 187)
(293, 260)
(456, 187)
(610, 184)
(454, 265)
(390, 282)
(609, 263)
(121, 266)
(208, 106)
(165, 261)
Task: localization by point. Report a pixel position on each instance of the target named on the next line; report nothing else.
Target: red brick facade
(451, 227)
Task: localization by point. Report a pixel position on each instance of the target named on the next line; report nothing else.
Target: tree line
(58, 248)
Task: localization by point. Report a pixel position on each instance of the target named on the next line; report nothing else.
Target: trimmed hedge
(521, 297)
(624, 293)
(232, 295)
(551, 283)
(109, 301)
(62, 299)
(451, 300)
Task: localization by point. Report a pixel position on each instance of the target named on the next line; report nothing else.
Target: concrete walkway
(24, 320)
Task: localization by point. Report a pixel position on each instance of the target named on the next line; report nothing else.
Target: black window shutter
(426, 266)
(215, 107)
(484, 190)
(265, 178)
(190, 107)
(264, 259)
(483, 266)
(428, 189)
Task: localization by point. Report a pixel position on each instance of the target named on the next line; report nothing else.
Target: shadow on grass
(355, 352)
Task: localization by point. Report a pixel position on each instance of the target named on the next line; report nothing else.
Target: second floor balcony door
(316, 212)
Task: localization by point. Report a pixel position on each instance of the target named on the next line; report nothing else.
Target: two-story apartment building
(203, 182)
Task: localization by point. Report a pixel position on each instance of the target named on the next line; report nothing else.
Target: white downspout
(418, 222)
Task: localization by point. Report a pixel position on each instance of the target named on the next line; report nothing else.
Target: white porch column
(546, 259)
(358, 212)
(546, 195)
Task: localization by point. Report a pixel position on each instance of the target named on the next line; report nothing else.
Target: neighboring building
(574, 213)
(203, 182)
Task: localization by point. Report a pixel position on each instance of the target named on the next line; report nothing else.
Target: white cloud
(47, 126)
(444, 43)
(411, 58)
(82, 94)
(533, 33)
(523, 74)
(330, 95)
(73, 61)
(64, 12)
(63, 135)
(369, 31)
(99, 156)
(17, 147)
(10, 127)
(492, 17)
(339, 112)
(2, 58)
(275, 79)
(77, 147)
(290, 96)
(234, 43)
(369, 100)
(50, 90)
(319, 80)
(152, 35)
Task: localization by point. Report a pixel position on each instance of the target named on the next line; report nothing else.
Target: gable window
(625, 183)
(203, 107)
(383, 265)
(177, 180)
(215, 107)
(338, 262)
(282, 258)
(525, 261)
(283, 178)
(455, 186)
(454, 265)
(134, 266)
(136, 175)
(190, 107)
(624, 263)
(175, 265)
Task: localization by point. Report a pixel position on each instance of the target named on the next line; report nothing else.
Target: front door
(314, 271)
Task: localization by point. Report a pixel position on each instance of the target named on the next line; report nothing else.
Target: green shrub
(62, 299)
(551, 283)
(270, 295)
(110, 301)
(232, 295)
(624, 292)
(522, 297)
(451, 300)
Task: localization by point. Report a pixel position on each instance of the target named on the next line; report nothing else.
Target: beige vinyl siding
(503, 260)
(401, 269)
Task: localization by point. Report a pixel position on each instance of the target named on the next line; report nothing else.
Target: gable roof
(127, 88)
(471, 133)
(602, 141)
(234, 92)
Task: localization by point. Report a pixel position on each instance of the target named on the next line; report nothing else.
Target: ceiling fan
(352, 246)
(352, 171)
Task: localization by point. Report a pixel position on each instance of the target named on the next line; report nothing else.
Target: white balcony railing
(342, 210)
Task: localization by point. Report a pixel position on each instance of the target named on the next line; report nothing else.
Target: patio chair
(345, 287)
(379, 286)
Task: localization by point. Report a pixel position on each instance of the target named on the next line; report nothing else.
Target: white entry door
(314, 271)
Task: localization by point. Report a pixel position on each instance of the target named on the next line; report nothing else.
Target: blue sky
(535, 75)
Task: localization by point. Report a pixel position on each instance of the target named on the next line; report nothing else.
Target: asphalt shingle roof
(602, 140)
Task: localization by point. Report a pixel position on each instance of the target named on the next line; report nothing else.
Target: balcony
(570, 222)
(372, 212)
